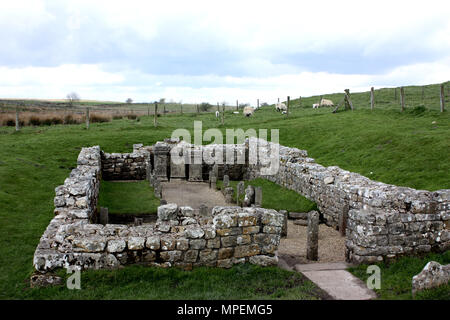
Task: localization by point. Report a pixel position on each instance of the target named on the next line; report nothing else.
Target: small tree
(72, 98)
(129, 101)
(205, 106)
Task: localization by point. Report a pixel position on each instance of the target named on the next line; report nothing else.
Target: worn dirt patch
(292, 249)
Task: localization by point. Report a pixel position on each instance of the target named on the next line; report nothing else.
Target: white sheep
(217, 114)
(280, 106)
(316, 105)
(248, 111)
(326, 102)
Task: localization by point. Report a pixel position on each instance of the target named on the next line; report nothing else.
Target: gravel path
(293, 247)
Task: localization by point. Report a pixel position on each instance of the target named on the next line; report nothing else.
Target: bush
(131, 116)
(99, 118)
(56, 120)
(69, 119)
(34, 121)
(205, 106)
(9, 122)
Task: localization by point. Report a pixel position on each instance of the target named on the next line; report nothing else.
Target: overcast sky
(195, 51)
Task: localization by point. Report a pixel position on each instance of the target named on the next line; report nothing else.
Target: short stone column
(285, 223)
(229, 194)
(178, 166)
(214, 182)
(226, 181)
(258, 197)
(161, 152)
(239, 191)
(203, 210)
(343, 220)
(104, 216)
(312, 245)
(195, 166)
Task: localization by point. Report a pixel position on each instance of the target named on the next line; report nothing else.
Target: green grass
(396, 278)
(128, 197)
(406, 149)
(275, 196)
(140, 282)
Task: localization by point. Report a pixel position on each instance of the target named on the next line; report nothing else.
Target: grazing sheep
(217, 114)
(280, 107)
(283, 112)
(326, 102)
(316, 105)
(248, 111)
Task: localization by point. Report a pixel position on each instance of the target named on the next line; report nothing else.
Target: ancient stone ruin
(379, 221)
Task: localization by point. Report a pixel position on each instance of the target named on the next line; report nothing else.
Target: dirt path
(293, 248)
(192, 194)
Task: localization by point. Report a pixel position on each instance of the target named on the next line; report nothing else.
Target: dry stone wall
(125, 166)
(180, 238)
(384, 221)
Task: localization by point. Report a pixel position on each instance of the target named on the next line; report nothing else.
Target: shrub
(34, 121)
(69, 119)
(56, 120)
(9, 122)
(99, 118)
(131, 116)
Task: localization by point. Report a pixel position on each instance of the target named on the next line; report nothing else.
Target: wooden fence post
(17, 119)
(257, 103)
(87, 118)
(237, 105)
(155, 121)
(164, 108)
(223, 113)
(181, 108)
(402, 98)
(395, 94)
(288, 101)
(148, 111)
(442, 98)
(278, 100)
(372, 99)
(197, 109)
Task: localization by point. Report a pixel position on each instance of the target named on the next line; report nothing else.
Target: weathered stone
(94, 244)
(207, 255)
(225, 253)
(264, 261)
(246, 251)
(258, 197)
(249, 197)
(153, 242)
(44, 280)
(328, 180)
(213, 243)
(136, 243)
(116, 245)
(182, 244)
(191, 256)
(298, 215)
(167, 212)
(312, 247)
(104, 216)
(250, 230)
(193, 232)
(168, 243)
(433, 275)
(197, 244)
(243, 239)
(225, 263)
(230, 241)
(171, 256)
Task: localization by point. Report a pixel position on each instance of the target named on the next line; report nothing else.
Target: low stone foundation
(380, 221)
(179, 238)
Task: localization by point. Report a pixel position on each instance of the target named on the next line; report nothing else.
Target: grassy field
(409, 149)
(275, 196)
(128, 197)
(396, 278)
